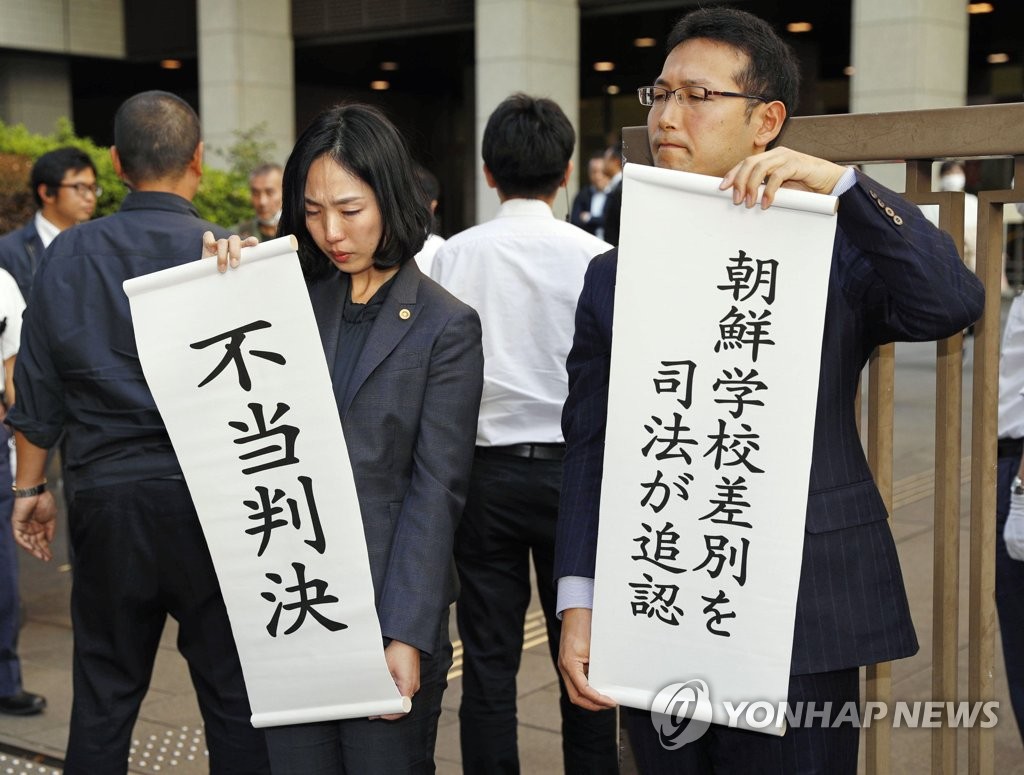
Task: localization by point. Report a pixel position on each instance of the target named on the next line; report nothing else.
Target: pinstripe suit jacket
(409, 415)
(894, 277)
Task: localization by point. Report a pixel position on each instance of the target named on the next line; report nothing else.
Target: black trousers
(807, 750)
(510, 514)
(10, 602)
(362, 746)
(140, 555)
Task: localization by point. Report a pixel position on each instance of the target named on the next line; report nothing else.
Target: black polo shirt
(78, 369)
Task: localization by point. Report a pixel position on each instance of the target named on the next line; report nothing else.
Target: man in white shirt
(432, 190)
(64, 186)
(523, 272)
(1010, 507)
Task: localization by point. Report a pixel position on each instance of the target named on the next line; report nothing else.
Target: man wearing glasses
(64, 186)
(726, 88)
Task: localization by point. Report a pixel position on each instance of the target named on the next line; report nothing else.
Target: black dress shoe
(22, 704)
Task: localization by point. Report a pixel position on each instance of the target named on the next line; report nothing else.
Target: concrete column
(246, 72)
(34, 91)
(908, 55)
(530, 46)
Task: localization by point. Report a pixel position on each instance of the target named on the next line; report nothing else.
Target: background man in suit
(1010, 507)
(132, 524)
(265, 193)
(726, 88)
(613, 193)
(588, 206)
(522, 271)
(64, 187)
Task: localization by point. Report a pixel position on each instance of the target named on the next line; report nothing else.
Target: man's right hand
(574, 660)
(34, 521)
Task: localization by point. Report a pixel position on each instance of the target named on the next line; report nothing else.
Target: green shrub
(250, 149)
(223, 196)
(16, 139)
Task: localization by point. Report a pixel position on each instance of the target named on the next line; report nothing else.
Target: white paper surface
(681, 239)
(298, 469)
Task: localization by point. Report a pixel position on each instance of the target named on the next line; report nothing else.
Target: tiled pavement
(169, 737)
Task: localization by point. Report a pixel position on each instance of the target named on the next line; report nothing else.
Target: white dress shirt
(1011, 374)
(47, 231)
(425, 258)
(523, 272)
(12, 306)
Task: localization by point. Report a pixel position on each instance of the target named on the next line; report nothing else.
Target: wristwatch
(1017, 488)
(29, 492)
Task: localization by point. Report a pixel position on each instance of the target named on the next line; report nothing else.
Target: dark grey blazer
(894, 277)
(20, 253)
(409, 415)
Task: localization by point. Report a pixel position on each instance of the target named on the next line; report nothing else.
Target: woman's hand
(227, 251)
(404, 663)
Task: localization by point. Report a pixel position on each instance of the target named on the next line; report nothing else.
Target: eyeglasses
(84, 188)
(685, 96)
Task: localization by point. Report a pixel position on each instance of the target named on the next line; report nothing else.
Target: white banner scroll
(714, 376)
(235, 364)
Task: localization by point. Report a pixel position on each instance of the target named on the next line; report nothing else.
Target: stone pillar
(906, 56)
(246, 72)
(34, 91)
(530, 46)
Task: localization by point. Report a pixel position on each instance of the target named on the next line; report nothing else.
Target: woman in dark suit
(407, 369)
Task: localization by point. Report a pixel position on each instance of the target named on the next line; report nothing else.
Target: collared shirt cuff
(574, 592)
(846, 182)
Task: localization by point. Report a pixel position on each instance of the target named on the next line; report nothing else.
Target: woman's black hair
(363, 141)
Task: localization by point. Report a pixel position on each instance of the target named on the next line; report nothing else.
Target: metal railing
(919, 138)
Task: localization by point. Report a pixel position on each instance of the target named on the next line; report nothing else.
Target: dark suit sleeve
(40, 409)
(416, 583)
(584, 419)
(913, 285)
(20, 253)
(580, 204)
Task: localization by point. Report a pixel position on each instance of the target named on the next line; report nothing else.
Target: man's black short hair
(527, 144)
(51, 167)
(950, 165)
(428, 182)
(772, 71)
(156, 134)
(362, 140)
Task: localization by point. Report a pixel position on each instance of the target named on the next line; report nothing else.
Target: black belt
(532, 451)
(1010, 447)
